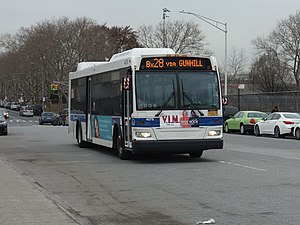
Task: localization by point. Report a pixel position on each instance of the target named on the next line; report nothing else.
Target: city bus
(147, 100)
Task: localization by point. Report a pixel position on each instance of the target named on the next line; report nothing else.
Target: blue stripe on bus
(145, 122)
(155, 122)
(211, 121)
(80, 117)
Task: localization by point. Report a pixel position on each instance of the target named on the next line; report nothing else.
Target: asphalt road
(253, 180)
(16, 120)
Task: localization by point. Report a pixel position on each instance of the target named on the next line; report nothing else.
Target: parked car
(3, 125)
(26, 111)
(63, 117)
(49, 117)
(14, 105)
(278, 124)
(37, 110)
(7, 105)
(243, 121)
(2, 103)
(229, 111)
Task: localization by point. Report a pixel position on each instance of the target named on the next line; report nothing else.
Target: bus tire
(121, 151)
(81, 143)
(196, 154)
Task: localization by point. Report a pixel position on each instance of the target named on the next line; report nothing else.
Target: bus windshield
(181, 90)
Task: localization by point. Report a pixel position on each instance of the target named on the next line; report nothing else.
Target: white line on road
(244, 166)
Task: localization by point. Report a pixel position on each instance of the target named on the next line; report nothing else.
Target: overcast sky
(246, 19)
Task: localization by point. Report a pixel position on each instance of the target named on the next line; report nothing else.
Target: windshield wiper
(192, 103)
(166, 103)
(168, 100)
(190, 100)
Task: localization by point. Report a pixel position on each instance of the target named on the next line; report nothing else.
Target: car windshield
(2, 119)
(182, 90)
(257, 115)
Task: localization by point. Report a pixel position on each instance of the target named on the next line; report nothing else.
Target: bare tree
(181, 36)
(49, 50)
(268, 75)
(287, 37)
(282, 46)
(236, 65)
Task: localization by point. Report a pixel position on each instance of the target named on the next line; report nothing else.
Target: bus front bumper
(176, 146)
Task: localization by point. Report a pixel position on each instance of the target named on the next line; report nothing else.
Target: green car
(243, 121)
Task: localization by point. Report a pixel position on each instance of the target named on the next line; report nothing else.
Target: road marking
(23, 121)
(244, 166)
(63, 162)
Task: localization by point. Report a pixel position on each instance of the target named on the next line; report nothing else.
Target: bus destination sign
(175, 63)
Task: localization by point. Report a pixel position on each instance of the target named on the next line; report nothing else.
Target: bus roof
(132, 53)
(84, 65)
(124, 59)
(139, 52)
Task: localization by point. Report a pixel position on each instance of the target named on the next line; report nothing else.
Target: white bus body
(148, 100)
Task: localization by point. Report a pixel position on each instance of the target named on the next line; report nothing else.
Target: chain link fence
(286, 101)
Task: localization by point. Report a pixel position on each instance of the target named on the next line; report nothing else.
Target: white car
(14, 105)
(26, 111)
(278, 124)
(296, 132)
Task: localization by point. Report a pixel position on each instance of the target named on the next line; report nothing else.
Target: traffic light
(53, 87)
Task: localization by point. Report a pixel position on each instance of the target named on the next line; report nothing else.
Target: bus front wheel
(122, 152)
(196, 154)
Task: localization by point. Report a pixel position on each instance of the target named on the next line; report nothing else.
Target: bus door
(89, 109)
(127, 110)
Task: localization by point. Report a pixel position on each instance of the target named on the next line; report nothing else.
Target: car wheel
(226, 128)
(122, 152)
(276, 132)
(297, 134)
(256, 130)
(242, 129)
(196, 154)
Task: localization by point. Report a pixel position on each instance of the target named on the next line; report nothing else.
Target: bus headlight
(143, 134)
(214, 132)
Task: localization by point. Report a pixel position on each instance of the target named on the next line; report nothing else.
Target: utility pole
(215, 24)
(165, 10)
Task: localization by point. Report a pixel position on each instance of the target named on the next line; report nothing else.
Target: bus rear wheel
(81, 143)
(121, 151)
(196, 154)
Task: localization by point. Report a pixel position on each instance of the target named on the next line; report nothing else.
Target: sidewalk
(21, 203)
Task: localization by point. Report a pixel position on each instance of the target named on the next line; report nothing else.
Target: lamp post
(165, 10)
(42, 83)
(211, 22)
